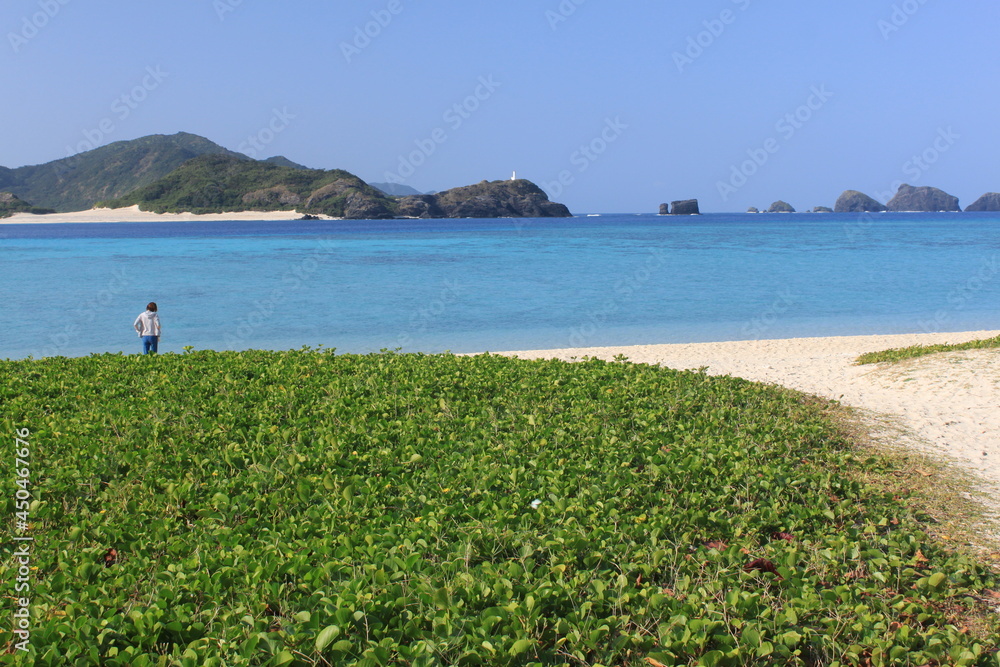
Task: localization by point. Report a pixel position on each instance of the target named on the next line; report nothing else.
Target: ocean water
(475, 285)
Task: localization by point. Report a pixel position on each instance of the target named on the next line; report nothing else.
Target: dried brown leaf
(761, 565)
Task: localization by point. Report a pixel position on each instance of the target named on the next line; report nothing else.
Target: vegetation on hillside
(396, 189)
(307, 508)
(486, 199)
(282, 161)
(218, 184)
(11, 204)
(901, 353)
(77, 182)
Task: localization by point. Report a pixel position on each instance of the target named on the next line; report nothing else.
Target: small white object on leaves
(535, 503)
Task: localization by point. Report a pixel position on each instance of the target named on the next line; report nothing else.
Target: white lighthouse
(513, 176)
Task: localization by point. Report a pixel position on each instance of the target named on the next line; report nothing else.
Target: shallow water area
(473, 285)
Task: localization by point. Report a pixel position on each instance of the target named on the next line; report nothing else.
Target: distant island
(189, 174)
(989, 202)
(922, 199)
(908, 199)
(78, 182)
(221, 183)
(681, 207)
(185, 173)
(217, 183)
(852, 201)
(489, 199)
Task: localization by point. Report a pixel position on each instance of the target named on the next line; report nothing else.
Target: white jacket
(147, 324)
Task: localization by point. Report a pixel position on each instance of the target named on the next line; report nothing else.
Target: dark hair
(151, 306)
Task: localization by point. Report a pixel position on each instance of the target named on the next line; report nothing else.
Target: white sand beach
(133, 214)
(947, 404)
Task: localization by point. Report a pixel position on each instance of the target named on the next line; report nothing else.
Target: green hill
(282, 161)
(396, 189)
(222, 183)
(11, 204)
(76, 183)
(185, 172)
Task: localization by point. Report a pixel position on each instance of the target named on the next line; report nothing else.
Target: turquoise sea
(474, 285)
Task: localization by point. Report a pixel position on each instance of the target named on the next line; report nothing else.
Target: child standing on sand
(148, 327)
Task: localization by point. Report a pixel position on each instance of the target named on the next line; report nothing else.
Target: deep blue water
(471, 285)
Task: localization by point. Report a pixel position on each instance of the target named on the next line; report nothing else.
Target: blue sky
(610, 106)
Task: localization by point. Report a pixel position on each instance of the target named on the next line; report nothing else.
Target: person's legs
(156, 343)
(148, 343)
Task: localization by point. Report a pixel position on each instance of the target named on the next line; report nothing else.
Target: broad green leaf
(327, 635)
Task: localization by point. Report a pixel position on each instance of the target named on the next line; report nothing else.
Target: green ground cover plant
(901, 353)
(308, 508)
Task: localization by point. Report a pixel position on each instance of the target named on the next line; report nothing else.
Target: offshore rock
(988, 202)
(852, 201)
(922, 200)
(685, 207)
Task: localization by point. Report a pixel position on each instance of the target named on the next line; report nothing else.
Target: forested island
(185, 173)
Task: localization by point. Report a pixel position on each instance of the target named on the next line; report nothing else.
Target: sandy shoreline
(133, 214)
(948, 403)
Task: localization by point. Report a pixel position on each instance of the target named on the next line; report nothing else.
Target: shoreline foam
(133, 214)
(949, 403)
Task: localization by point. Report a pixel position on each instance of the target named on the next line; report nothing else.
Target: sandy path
(949, 403)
